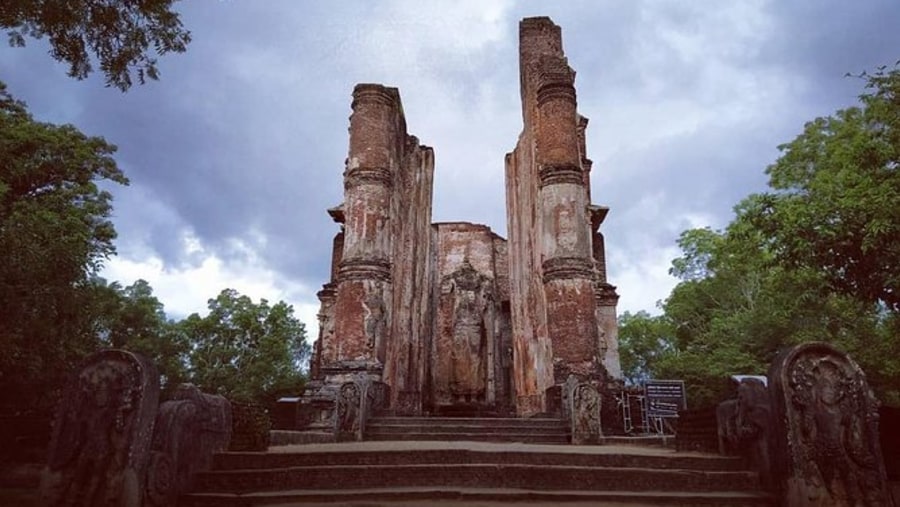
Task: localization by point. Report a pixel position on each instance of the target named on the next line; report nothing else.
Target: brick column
(568, 268)
(363, 299)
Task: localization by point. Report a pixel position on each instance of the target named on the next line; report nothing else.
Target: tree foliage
(132, 318)
(124, 36)
(245, 350)
(55, 233)
(815, 258)
(835, 199)
(643, 341)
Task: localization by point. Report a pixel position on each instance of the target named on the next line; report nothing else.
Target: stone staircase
(457, 472)
(471, 429)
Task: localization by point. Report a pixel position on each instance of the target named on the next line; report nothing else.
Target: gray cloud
(241, 144)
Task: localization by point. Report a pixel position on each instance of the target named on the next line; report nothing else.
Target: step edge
(450, 489)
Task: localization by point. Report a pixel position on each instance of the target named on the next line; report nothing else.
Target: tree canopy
(55, 233)
(835, 199)
(123, 36)
(246, 350)
(133, 318)
(814, 258)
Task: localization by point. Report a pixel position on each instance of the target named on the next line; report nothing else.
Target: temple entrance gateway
(451, 316)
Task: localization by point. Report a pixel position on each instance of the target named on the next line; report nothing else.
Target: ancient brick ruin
(450, 315)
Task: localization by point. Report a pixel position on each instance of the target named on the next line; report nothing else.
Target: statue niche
(465, 337)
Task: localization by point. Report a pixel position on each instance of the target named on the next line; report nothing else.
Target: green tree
(835, 200)
(132, 318)
(246, 351)
(54, 234)
(643, 340)
(815, 258)
(747, 306)
(123, 35)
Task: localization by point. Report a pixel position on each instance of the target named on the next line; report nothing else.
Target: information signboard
(664, 397)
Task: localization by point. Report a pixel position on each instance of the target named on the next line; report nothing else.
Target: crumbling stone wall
(406, 351)
(561, 326)
(375, 310)
(532, 352)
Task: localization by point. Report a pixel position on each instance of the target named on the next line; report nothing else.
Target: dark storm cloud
(826, 39)
(223, 144)
(241, 145)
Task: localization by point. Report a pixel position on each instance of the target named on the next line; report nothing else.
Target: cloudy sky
(237, 151)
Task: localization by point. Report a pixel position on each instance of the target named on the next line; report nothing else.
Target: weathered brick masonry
(451, 314)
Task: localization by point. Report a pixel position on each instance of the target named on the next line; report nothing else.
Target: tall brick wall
(379, 298)
(532, 352)
(404, 362)
(549, 225)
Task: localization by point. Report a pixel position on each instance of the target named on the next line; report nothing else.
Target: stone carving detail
(753, 424)
(828, 428)
(726, 426)
(471, 296)
(190, 428)
(560, 174)
(347, 412)
(744, 420)
(356, 401)
(565, 268)
(380, 396)
(744, 424)
(374, 318)
(368, 176)
(582, 402)
(100, 444)
(364, 269)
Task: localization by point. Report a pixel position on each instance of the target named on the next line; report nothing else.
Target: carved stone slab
(101, 437)
(583, 410)
(190, 428)
(352, 406)
(825, 449)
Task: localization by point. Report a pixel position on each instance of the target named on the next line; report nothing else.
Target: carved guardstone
(190, 428)
(582, 409)
(744, 426)
(100, 444)
(824, 447)
(726, 426)
(356, 401)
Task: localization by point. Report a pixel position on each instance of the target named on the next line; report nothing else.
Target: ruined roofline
(388, 95)
(468, 226)
(539, 24)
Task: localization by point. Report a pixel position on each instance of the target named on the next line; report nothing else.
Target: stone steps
(477, 497)
(518, 422)
(527, 437)
(473, 475)
(500, 454)
(484, 429)
(390, 473)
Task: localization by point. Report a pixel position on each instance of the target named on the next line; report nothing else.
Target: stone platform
(466, 473)
(494, 429)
